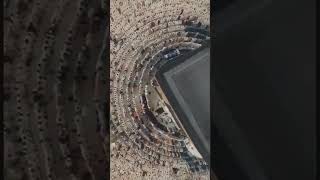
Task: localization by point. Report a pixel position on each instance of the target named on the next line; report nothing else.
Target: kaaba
(186, 84)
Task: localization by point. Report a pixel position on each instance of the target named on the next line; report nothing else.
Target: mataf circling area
(147, 142)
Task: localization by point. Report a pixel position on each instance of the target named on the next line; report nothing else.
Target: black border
(317, 125)
(2, 93)
(220, 28)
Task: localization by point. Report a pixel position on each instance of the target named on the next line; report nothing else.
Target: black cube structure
(185, 83)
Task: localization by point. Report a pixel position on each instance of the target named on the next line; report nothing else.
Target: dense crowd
(140, 32)
(52, 50)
